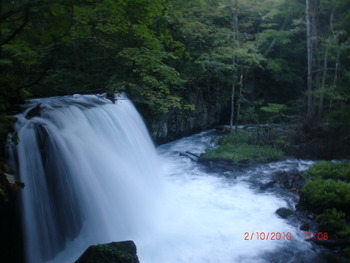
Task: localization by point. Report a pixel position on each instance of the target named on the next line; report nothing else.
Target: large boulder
(114, 252)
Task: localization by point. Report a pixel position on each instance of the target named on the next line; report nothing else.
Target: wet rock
(192, 156)
(111, 96)
(36, 111)
(284, 212)
(291, 180)
(114, 252)
(230, 174)
(216, 164)
(267, 185)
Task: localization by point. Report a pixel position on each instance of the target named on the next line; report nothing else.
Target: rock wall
(11, 247)
(179, 123)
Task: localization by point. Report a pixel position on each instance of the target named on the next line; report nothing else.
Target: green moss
(319, 195)
(329, 170)
(284, 212)
(245, 153)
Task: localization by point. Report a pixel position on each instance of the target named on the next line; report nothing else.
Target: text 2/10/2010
(267, 236)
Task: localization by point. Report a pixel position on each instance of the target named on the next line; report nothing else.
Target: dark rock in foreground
(114, 252)
(191, 156)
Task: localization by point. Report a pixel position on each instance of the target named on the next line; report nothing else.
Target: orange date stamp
(315, 236)
(268, 236)
(283, 236)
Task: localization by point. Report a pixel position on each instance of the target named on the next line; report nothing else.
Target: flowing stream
(93, 176)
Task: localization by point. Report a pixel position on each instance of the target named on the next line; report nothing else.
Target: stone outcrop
(179, 123)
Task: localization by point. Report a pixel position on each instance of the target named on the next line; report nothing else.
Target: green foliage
(237, 137)
(273, 108)
(319, 195)
(273, 112)
(337, 220)
(329, 170)
(246, 147)
(245, 153)
(162, 53)
(265, 135)
(327, 195)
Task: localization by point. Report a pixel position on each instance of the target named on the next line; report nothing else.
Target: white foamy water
(205, 216)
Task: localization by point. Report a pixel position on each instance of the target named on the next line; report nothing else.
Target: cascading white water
(90, 171)
(93, 176)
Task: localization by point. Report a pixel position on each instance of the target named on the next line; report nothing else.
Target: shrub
(329, 170)
(334, 221)
(319, 195)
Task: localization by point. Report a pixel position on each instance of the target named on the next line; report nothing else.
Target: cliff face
(179, 123)
(11, 248)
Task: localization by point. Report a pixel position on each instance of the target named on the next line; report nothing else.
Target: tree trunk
(232, 105)
(234, 62)
(309, 112)
(334, 85)
(325, 65)
(324, 75)
(240, 86)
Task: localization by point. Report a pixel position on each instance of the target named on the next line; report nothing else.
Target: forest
(257, 56)
(266, 61)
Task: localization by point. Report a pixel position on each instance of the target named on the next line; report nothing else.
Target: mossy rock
(114, 252)
(284, 212)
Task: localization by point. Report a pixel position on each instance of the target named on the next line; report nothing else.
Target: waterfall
(92, 176)
(90, 172)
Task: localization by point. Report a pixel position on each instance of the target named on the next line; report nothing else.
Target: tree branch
(20, 28)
